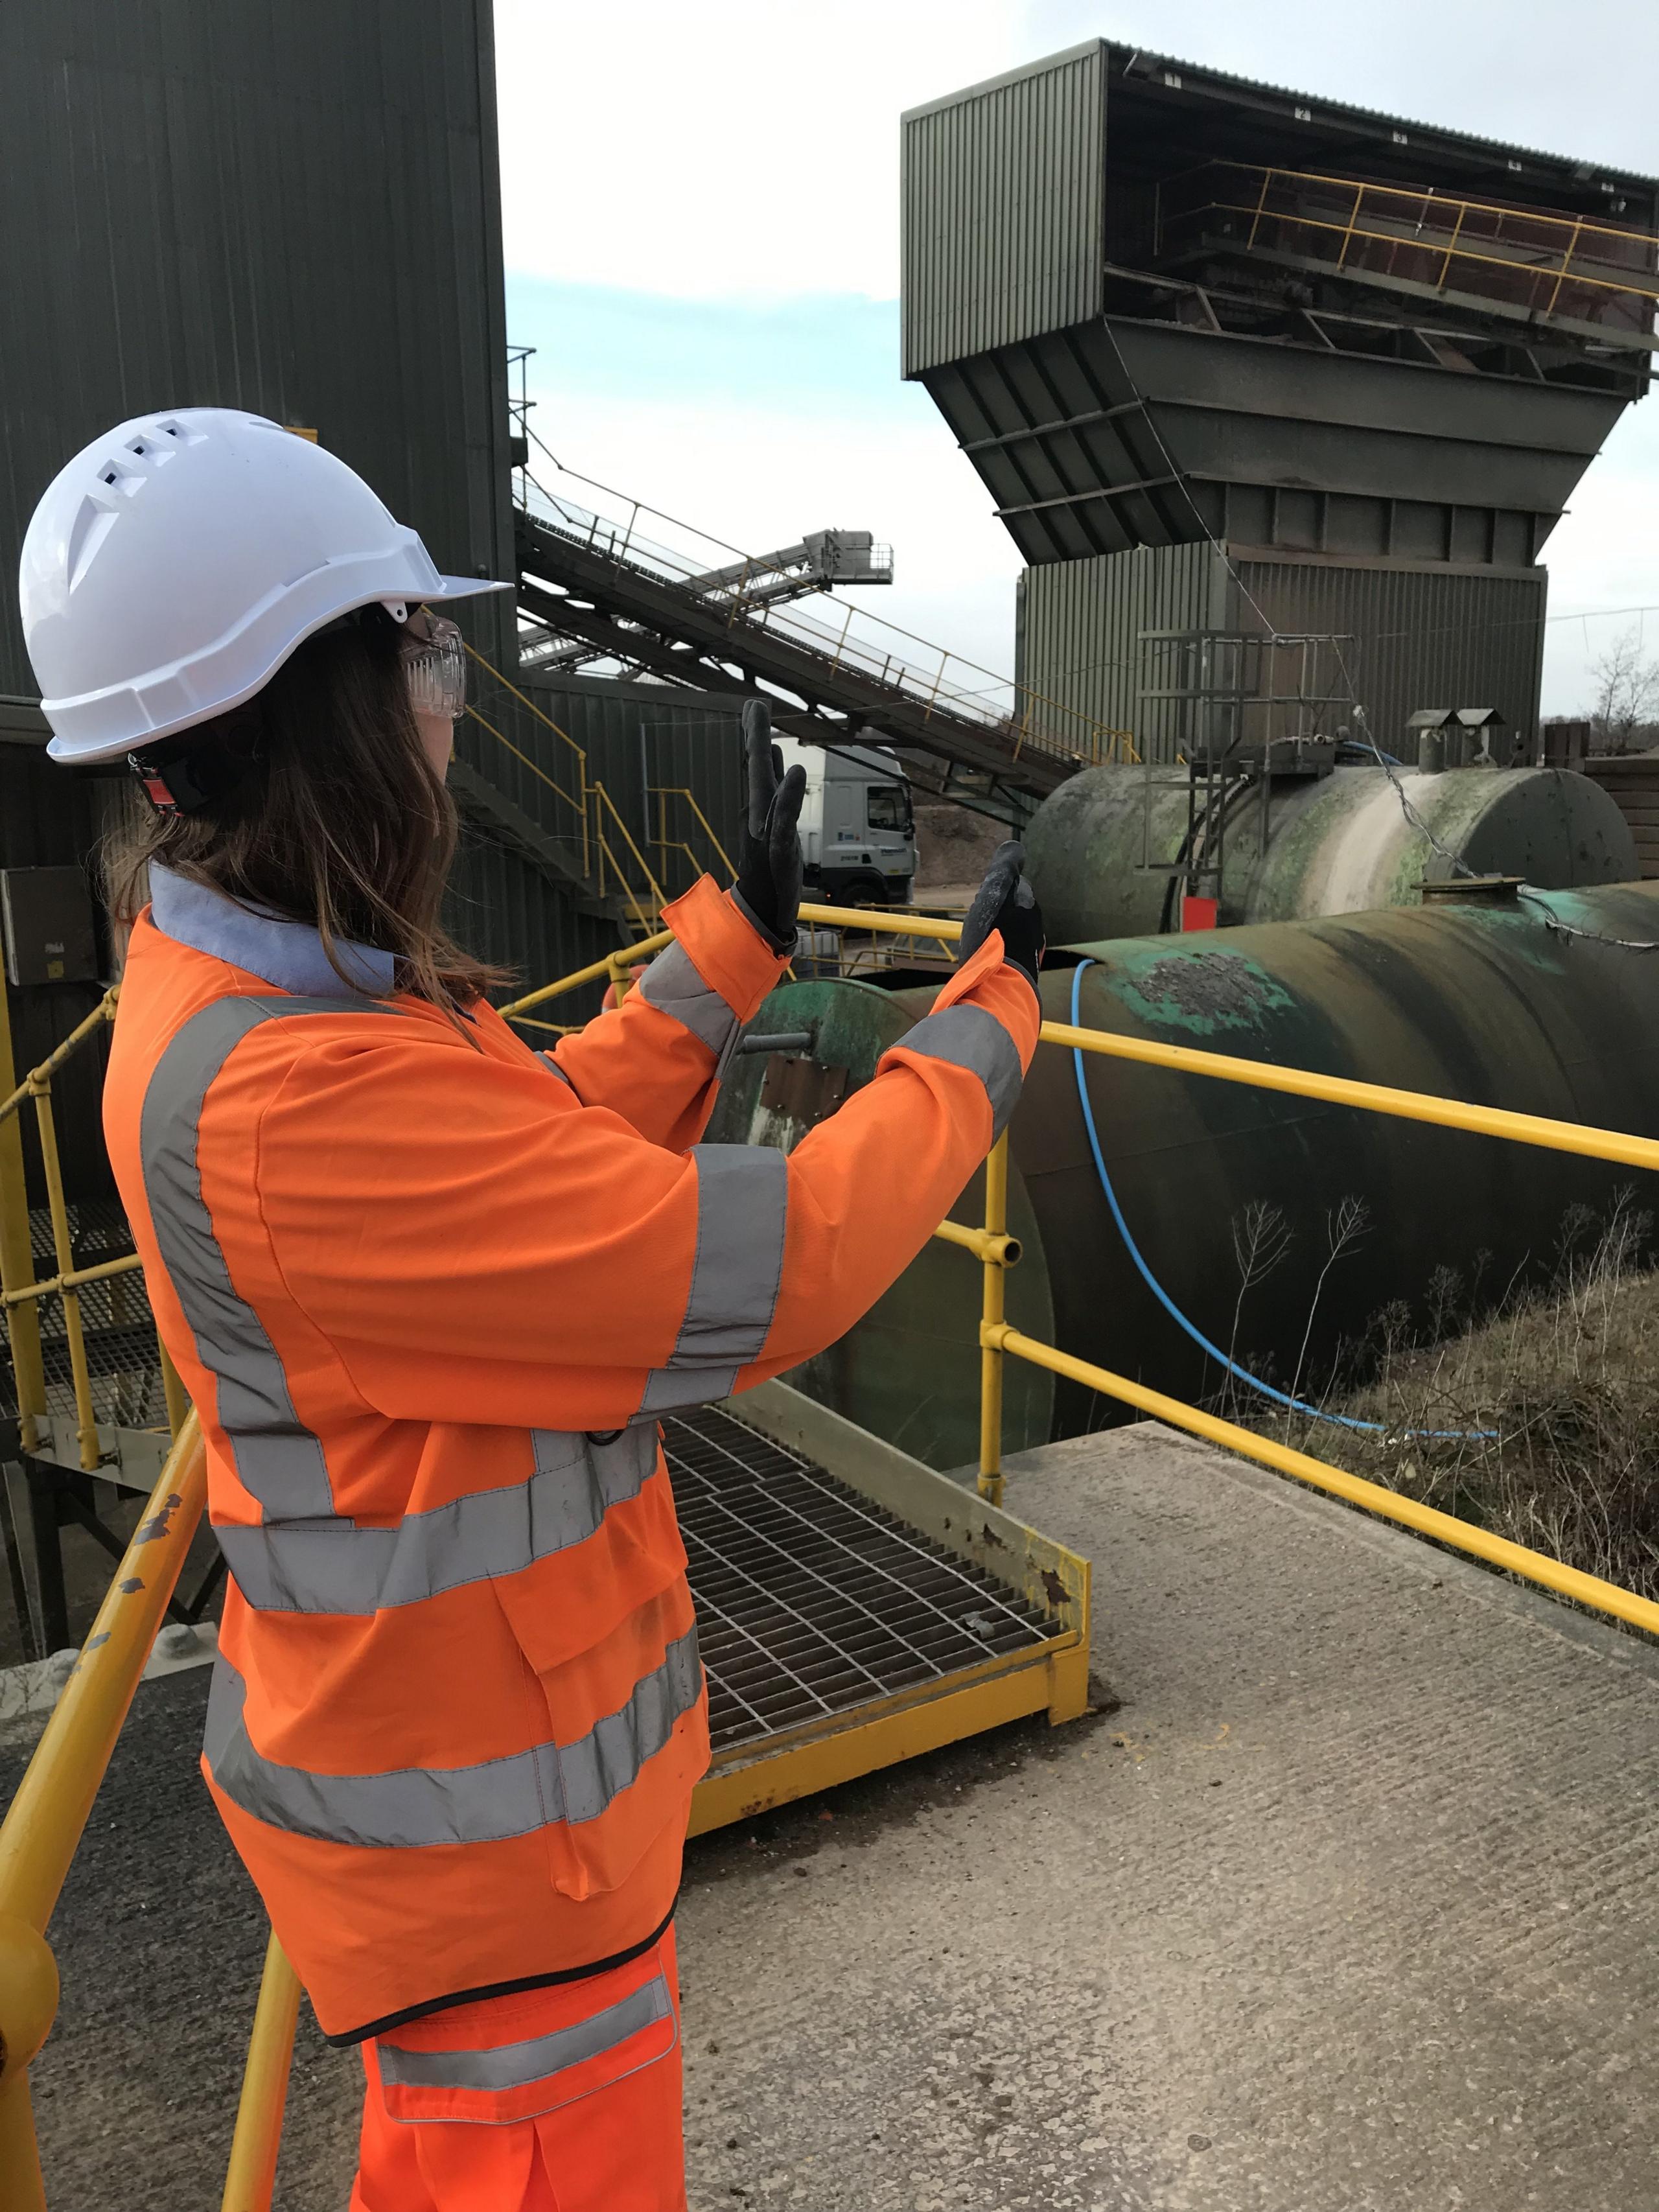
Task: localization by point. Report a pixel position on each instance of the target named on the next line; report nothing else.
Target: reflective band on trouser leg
(329, 1564)
(672, 984)
(518, 2065)
(968, 1037)
(409, 1807)
(574, 2094)
(743, 1203)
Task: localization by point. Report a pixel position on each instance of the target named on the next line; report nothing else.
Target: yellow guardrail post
(44, 1825)
(86, 1419)
(251, 2173)
(17, 1248)
(990, 1357)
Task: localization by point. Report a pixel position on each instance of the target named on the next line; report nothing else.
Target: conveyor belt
(810, 1599)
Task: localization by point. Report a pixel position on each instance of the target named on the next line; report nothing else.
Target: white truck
(857, 834)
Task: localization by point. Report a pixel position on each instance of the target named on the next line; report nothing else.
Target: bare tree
(1627, 696)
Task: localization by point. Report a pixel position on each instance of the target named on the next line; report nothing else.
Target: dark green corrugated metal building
(291, 206)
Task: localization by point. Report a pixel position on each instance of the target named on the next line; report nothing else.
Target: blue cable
(1267, 1389)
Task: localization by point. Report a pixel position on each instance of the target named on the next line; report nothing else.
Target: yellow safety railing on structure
(20, 1289)
(46, 1817)
(1430, 239)
(665, 844)
(43, 1824)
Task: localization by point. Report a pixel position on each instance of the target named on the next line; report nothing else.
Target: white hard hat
(174, 564)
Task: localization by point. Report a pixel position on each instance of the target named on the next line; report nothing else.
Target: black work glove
(768, 887)
(1006, 901)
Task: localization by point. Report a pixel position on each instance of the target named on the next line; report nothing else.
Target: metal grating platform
(811, 1600)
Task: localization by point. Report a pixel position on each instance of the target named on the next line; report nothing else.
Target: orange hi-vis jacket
(430, 1290)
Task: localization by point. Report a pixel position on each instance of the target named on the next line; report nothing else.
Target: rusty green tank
(1487, 999)
(1100, 850)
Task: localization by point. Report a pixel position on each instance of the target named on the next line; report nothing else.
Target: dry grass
(1541, 1422)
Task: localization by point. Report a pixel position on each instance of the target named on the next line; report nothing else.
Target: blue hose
(1242, 1374)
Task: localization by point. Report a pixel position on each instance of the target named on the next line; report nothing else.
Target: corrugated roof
(1123, 55)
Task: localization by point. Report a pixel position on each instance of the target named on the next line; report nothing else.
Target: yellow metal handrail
(43, 1824)
(662, 793)
(1433, 223)
(20, 1290)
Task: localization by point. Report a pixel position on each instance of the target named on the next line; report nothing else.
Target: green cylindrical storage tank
(910, 1370)
(1466, 998)
(1099, 850)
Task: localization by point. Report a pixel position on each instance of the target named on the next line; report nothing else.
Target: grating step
(811, 1601)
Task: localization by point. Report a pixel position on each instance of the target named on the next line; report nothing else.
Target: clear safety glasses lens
(437, 673)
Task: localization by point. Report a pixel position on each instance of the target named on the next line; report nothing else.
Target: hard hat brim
(89, 751)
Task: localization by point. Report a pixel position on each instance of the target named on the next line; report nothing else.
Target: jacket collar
(287, 954)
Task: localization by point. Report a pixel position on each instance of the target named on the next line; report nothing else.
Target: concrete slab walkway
(1347, 1907)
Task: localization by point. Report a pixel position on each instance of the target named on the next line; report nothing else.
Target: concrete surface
(1345, 1908)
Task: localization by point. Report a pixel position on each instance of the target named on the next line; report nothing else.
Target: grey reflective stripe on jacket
(330, 1565)
(743, 1204)
(278, 1459)
(521, 2065)
(672, 984)
(968, 1037)
(305, 1558)
(409, 1807)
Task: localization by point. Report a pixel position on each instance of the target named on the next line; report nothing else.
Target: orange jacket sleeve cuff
(726, 950)
(991, 980)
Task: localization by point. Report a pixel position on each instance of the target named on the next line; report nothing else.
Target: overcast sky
(702, 233)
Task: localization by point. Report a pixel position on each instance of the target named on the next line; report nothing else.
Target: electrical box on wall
(50, 936)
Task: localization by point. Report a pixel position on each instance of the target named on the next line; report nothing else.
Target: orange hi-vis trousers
(561, 2099)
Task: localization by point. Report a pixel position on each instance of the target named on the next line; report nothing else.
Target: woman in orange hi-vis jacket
(430, 1289)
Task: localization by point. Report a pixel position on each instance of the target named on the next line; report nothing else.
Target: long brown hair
(332, 813)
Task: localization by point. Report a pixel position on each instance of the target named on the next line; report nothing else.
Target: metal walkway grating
(810, 1600)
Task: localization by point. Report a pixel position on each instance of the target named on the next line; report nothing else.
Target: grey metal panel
(286, 205)
(1083, 625)
(1423, 637)
(1274, 446)
(1003, 207)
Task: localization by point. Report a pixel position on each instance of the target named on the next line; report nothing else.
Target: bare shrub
(1539, 1421)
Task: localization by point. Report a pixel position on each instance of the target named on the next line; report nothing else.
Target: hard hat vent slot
(91, 526)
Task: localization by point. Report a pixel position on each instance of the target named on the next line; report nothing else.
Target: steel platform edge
(1051, 1676)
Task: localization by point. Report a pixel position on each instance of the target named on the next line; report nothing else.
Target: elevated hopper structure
(1232, 358)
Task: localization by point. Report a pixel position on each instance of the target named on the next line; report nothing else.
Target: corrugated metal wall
(50, 819)
(286, 205)
(1003, 208)
(644, 740)
(1423, 638)
(644, 743)
(1083, 621)
(502, 908)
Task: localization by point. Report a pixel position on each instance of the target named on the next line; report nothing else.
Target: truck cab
(857, 833)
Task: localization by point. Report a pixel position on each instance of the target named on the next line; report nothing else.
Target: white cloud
(1604, 554)
(744, 149)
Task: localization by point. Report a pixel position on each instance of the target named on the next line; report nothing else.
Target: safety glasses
(435, 664)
